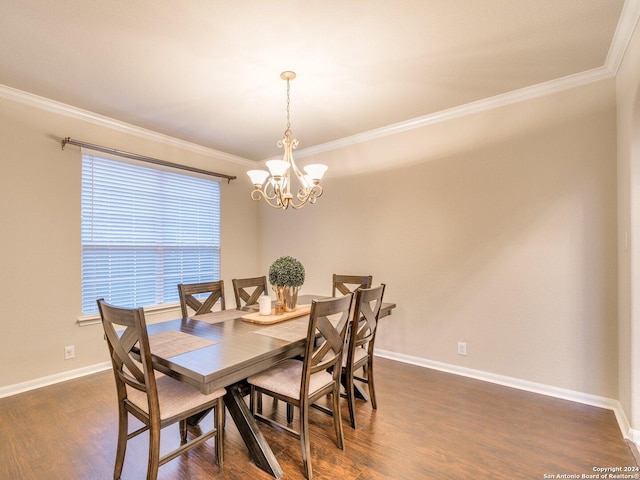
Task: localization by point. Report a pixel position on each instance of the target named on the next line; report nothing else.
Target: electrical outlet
(462, 348)
(69, 352)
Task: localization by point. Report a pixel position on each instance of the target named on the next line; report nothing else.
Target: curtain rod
(142, 158)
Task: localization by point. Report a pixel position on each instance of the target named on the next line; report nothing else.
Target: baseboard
(565, 394)
(51, 379)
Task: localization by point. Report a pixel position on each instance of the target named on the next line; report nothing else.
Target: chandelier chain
(288, 107)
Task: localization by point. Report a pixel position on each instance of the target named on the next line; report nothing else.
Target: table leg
(259, 450)
(359, 393)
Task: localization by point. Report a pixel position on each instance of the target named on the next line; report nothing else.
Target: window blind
(144, 230)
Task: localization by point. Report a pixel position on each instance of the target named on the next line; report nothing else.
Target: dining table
(222, 349)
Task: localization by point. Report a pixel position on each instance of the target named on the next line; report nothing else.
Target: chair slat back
(365, 317)
(187, 292)
(248, 290)
(328, 322)
(350, 283)
(126, 367)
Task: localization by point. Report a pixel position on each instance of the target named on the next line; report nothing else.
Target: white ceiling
(208, 72)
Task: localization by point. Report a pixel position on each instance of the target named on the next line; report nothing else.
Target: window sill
(149, 311)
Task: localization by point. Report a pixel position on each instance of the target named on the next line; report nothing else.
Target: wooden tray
(273, 318)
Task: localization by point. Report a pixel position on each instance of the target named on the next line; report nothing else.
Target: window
(144, 230)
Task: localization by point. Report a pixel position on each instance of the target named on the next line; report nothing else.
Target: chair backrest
(350, 283)
(365, 319)
(326, 335)
(187, 292)
(249, 290)
(128, 370)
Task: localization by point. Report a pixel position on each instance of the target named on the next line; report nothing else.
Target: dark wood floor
(429, 425)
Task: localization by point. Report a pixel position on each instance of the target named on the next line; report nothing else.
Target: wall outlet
(462, 348)
(69, 352)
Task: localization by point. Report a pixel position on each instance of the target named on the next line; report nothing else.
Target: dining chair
(249, 290)
(300, 383)
(191, 295)
(350, 283)
(154, 399)
(362, 337)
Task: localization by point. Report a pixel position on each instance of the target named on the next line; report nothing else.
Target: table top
(238, 348)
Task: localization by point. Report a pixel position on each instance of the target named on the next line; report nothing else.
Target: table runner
(171, 343)
(290, 330)
(216, 317)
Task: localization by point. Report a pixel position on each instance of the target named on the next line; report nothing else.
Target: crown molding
(629, 18)
(85, 115)
(624, 31)
(515, 96)
(626, 25)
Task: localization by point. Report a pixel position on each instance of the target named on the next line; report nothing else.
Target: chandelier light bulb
(258, 177)
(277, 168)
(315, 171)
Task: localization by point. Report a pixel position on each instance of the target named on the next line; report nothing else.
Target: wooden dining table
(221, 349)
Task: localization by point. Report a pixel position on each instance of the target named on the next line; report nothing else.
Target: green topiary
(286, 271)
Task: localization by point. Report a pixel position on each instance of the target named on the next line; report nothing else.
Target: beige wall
(498, 229)
(505, 240)
(628, 127)
(40, 236)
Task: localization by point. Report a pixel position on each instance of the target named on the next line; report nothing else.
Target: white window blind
(144, 230)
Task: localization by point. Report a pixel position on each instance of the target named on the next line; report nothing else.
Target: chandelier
(277, 189)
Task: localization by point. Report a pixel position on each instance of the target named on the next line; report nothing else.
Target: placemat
(290, 331)
(171, 343)
(217, 317)
(270, 319)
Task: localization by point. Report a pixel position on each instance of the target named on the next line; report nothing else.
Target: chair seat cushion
(358, 354)
(285, 379)
(174, 397)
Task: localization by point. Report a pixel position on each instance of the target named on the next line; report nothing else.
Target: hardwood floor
(429, 425)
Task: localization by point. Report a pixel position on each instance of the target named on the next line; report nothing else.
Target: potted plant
(286, 274)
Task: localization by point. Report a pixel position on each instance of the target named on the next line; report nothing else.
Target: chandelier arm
(301, 204)
(299, 175)
(313, 192)
(278, 206)
(269, 194)
(289, 144)
(258, 193)
(308, 196)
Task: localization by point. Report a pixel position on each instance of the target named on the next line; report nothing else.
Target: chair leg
(372, 390)
(259, 403)
(154, 452)
(304, 439)
(337, 417)
(123, 426)
(183, 431)
(350, 397)
(219, 425)
(289, 413)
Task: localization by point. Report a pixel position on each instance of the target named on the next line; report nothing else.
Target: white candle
(265, 305)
